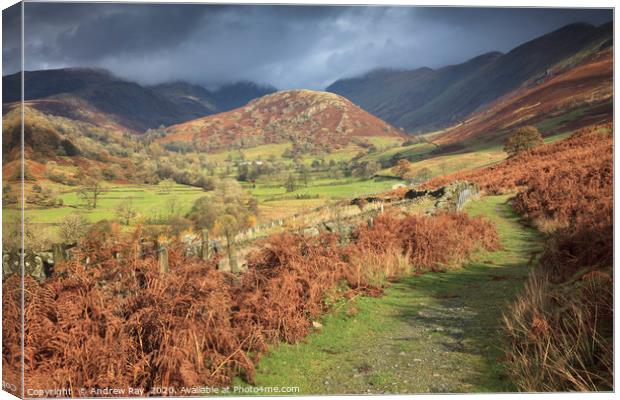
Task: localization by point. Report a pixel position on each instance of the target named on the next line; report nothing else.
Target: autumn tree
(126, 211)
(372, 167)
(229, 210)
(290, 184)
(8, 197)
(167, 185)
(522, 139)
(402, 168)
(423, 175)
(366, 169)
(114, 171)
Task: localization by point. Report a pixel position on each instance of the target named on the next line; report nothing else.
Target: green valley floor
(438, 332)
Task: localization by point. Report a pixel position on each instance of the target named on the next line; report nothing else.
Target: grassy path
(432, 333)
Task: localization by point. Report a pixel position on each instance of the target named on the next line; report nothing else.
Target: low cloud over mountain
(284, 46)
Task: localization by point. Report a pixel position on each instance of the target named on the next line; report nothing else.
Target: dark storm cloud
(286, 46)
(11, 39)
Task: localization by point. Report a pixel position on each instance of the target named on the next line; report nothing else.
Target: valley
(398, 232)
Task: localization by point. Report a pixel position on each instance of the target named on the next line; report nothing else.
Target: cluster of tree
(151, 135)
(364, 169)
(184, 175)
(300, 147)
(226, 212)
(43, 196)
(250, 172)
(245, 142)
(366, 145)
(179, 147)
(8, 197)
(402, 168)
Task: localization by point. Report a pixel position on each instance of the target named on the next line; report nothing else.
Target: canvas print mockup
(226, 199)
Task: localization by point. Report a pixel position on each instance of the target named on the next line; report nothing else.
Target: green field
(262, 152)
(148, 200)
(153, 202)
(325, 188)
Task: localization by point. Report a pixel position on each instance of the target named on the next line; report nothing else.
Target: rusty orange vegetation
(568, 182)
(72, 108)
(119, 322)
(587, 150)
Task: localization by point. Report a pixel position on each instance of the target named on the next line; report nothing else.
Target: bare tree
(90, 192)
(126, 211)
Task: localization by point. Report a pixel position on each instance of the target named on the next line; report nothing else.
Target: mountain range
(419, 100)
(129, 104)
(426, 99)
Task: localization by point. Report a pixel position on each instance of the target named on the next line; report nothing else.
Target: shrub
(115, 320)
(402, 168)
(447, 240)
(432, 243)
(560, 336)
(72, 228)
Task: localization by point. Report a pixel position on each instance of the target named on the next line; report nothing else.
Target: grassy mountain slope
(565, 100)
(62, 152)
(299, 115)
(426, 99)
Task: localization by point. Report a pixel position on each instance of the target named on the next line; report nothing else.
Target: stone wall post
(205, 248)
(162, 252)
(58, 252)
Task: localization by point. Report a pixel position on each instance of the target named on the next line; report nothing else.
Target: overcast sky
(284, 46)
